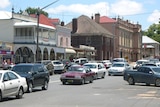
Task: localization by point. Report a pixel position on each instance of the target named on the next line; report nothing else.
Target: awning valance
(70, 50)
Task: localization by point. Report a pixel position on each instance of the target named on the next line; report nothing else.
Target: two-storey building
(22, 30)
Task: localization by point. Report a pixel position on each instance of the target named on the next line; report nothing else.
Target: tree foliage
(30, 10)
(153, 32)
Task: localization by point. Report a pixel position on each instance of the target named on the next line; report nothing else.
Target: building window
(61, 41)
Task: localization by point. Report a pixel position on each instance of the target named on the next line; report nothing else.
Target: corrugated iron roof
(148, 40)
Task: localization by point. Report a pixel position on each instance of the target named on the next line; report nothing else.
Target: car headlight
(78, 76)
(63, 76)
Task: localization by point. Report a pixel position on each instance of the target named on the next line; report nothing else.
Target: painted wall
(6, 30)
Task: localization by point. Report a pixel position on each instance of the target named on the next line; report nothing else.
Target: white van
(81, 61)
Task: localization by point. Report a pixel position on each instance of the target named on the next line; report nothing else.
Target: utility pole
(38, 15)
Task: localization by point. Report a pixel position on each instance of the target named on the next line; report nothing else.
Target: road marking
(96, 94)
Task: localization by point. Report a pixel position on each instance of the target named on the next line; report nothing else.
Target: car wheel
(104, 75)
(30, 87)
(157, 82)
(91, 80)
(45, 86)
(83, 81)
(20, 93)
(64, 83)
(131, 81)
(96, 76)
(1, 98)
(109, 74)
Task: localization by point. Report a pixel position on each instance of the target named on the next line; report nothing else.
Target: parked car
(119, 60)
(11, 84)
(107, 63)
(77, 74)
(48, 64)
(144, 74)
(118, 68)
(98, 68)
(58, 66)
(81, 61)
(139, 63)
(36, 75)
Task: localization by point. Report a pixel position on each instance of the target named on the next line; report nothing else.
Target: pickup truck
(144, 74)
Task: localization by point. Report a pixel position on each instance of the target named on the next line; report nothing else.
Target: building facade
(127, 39)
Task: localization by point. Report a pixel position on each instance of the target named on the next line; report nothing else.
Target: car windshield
(156, 69)
(76, 69)
(90, 65)
(118, 65)
(22, 69)
(57, 62)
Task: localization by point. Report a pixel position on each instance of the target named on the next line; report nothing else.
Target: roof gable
(148, 40)
(5, 15)
(89, 26)
(44, 20)
(105, 19)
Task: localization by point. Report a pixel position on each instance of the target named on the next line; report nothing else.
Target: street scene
(112, 91)
(79, 53)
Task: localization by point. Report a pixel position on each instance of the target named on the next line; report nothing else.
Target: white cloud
(101, 7)
(126, 7)
(4, 3)
(154, 17)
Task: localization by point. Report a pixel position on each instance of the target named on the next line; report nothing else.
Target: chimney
(74, 25)
(62, 23)
(97, 17)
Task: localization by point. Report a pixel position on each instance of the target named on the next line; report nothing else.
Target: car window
(5, 77)
(12, 76)
(22, 69)
(40, 68)
(90, 65)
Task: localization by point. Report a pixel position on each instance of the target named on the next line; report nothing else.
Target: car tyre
(45, 86)
(157, 82)
(30, 87)
(91, 80)
(131, 81)
(83, 81)
(1, 98)
(64, 83)
(20, 93)
(104, 75)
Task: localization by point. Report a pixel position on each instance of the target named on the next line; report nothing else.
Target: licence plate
(69, 80)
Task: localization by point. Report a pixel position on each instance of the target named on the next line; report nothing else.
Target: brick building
(85, 31)
(127, 39)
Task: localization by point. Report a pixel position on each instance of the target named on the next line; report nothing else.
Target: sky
(144, 12)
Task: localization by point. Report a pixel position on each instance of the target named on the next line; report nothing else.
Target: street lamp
(38, 14)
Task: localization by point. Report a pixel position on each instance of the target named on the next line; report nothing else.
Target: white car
(58, 66)
(118, 68)
(107, 63)
(11, 84)
(98, 68)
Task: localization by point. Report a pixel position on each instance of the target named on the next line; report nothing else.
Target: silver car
(11, 84)
(99, 69)
(58, 66)
(118, 68)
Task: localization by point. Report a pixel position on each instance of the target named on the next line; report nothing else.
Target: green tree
(153, 32)
(30, 10)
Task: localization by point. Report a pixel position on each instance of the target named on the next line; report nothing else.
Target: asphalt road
(112, 91)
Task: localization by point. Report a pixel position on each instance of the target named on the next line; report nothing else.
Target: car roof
(4, 71)
(29, 64)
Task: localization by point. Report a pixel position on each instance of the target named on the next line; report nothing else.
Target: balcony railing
(24, 39)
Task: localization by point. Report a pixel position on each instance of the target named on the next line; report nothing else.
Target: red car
(77, 74)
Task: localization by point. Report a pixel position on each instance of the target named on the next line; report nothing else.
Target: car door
(100, 70)
(10, 83)
(148, 76)
(36, 76)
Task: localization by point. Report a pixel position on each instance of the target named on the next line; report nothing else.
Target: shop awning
(70, 50)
